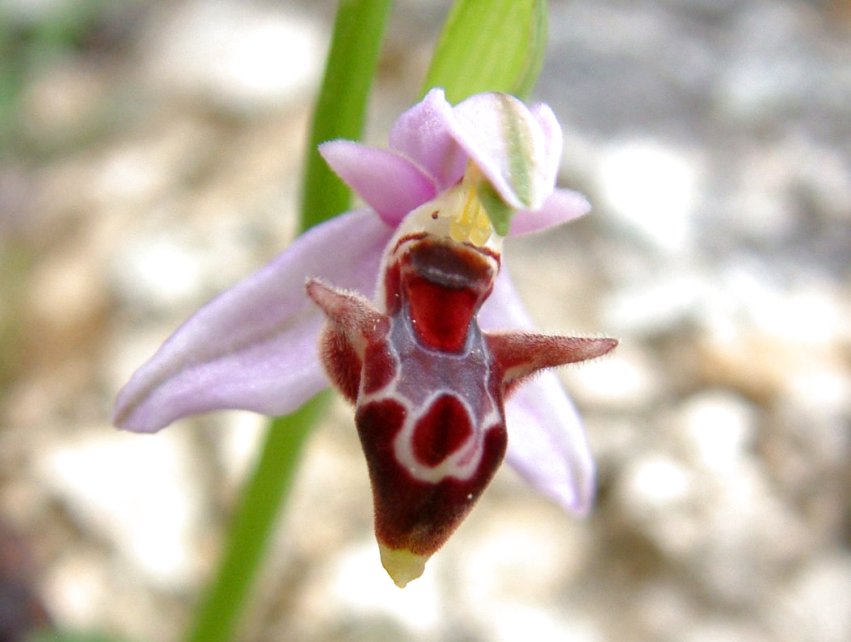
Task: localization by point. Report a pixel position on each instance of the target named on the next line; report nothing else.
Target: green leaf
(490, 45)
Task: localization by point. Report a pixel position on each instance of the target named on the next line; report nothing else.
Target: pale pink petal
(390, 184)
(546, 440)
(254, 346)
(507, 142)
(562, 206)
(553, 142)
(547, 443)
(424, 134)
(503, 309)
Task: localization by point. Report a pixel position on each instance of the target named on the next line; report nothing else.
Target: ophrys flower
(427, 382)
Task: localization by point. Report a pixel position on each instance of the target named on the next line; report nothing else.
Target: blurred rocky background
(150, 157)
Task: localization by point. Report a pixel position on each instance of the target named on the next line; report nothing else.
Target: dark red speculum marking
(439, 315)
(443, 429)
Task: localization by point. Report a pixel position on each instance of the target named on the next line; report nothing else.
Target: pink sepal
(424, 134)
(515, 148)
(254, 346)
(546, 441)
(390, 184)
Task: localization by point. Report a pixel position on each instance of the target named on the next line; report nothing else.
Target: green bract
(486, 46)
(490, 45)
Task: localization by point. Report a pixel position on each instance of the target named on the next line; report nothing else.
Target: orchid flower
(410, 313)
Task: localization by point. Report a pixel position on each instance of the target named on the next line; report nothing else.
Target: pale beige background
(157, 162)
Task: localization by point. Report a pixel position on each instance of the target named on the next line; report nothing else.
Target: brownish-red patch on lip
(443, 429)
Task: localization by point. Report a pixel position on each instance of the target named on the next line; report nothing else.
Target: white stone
(659, 496)
(655, 303)
(718, 429)
(720, 629)
(512, 621)
(239, 444)
(816, 605)
(510, 551)
(652, 190)
(137, 491)
(354, 583)
(655, 483)
(160, 271)
(75, 590)
(241, 55)
(625, 378)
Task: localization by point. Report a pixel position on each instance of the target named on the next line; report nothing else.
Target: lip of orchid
(428, 385)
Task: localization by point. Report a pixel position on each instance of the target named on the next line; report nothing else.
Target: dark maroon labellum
(428, 386)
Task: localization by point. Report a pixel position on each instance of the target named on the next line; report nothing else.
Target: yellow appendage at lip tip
(401, 565)
(472, 224)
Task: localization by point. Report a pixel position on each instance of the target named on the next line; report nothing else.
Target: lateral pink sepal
(254, 346)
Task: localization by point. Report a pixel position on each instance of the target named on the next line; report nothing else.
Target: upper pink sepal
(254, 346)
(424, 134)
(388, 182)
(550, 152)
(547, 444)
(516, 148)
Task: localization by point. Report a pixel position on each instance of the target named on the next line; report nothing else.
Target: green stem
(262, 499)
(340, 113)
(340, 110)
